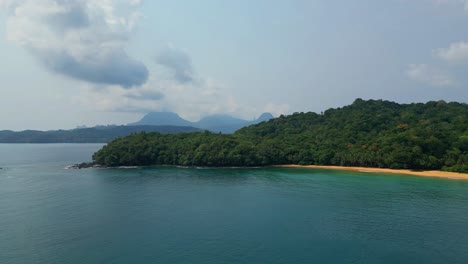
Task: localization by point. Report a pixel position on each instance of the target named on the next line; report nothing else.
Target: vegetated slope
(372, 133)
(102, 134)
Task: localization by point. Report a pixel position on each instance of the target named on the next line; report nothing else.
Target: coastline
(437, 174)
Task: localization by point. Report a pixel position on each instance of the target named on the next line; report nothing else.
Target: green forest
(368, 133)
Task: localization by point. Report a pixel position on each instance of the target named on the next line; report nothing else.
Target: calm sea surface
(171, 215)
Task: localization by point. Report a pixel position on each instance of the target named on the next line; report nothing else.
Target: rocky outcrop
(85, 165)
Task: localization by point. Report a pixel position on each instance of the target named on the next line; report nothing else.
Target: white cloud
(429, 75)
(80, 39)
(457, 52)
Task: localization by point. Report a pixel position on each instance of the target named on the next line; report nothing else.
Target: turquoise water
(171, 215)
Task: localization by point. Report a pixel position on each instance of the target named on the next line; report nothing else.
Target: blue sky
(81, 62)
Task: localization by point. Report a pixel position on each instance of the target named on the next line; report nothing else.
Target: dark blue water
(168, 215)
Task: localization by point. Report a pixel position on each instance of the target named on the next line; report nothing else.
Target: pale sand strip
(439, 174)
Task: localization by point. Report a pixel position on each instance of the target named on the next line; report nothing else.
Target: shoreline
(422, 173)
(436, 174)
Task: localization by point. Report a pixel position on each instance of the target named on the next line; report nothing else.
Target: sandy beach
(438, 174)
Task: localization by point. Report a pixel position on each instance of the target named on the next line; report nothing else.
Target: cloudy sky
(65, 63)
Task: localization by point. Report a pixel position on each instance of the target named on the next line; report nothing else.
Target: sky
(68, 63)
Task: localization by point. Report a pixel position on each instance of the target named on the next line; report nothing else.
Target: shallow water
(177, 215)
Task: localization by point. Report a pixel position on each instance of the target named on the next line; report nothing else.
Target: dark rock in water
(85, 165)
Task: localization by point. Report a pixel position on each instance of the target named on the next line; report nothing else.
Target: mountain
(216, 123)
(373, 133)
(161, 119)
(264, 117)
(101, 134)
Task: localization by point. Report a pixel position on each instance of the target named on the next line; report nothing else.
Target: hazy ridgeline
(99, 134)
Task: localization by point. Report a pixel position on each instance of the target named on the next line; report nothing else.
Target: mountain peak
(265, 117)
(162, 119)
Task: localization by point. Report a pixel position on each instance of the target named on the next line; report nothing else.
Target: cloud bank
(192, 97)
(85, 40)
(81, 39)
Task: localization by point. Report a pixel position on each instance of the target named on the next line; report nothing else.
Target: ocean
(53, 215)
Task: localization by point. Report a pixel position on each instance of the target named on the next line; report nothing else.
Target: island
(368, 133)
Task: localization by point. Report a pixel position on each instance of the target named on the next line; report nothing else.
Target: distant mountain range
(162, 122)
(216, 123)
(99, 134)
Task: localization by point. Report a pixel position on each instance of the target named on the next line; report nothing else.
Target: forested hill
(101, 134)
(372, 133)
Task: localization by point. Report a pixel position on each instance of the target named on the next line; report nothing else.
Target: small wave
(128, 167)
